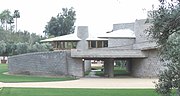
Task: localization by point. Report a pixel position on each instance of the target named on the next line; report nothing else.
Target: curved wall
(55, 63)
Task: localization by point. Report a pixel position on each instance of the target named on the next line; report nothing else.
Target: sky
(98, 15)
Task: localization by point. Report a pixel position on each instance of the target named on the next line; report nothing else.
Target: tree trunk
(3, 61)
(16, 24)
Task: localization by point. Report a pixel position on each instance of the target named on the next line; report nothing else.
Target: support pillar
(87, 64)
(128, 65)
(83, 67)
(109, 67)
(105, 68)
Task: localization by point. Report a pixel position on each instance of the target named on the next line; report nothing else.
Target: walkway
(89, 83)
(92, 74)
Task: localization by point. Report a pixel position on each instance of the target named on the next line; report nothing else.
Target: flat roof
(96, 39)
(69, 37)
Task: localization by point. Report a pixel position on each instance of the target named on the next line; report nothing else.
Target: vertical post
(102, 44)
(105, 68)
(96, 44)
(83, 68)
(109, 67)
(16, 24)
(90, 44)
(129, 65)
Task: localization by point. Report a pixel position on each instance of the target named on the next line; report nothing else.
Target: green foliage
(170, 77)
(37, 47)
(166, 21)
(166, 30)
(2, 47)
(13, 43)
(20, 43)
(16, 14)
(21, 48)
(6, 18)
(62, 24)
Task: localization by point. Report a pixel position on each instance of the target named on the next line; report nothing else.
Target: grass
(96, 67)
(118, 71)
(75, 92)
(87, 73)
(14, 78)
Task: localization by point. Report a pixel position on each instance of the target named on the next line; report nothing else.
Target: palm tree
(10, 21)
(5, 16)
(16, 15)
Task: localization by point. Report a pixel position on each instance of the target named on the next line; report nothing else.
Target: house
(127, 41)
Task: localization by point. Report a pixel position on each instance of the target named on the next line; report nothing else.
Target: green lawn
(13, 78)
(75, 92)
(118, 71)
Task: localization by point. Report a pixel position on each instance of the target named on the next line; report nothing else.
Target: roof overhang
(69, 37)
(96, 39)
(107, 53)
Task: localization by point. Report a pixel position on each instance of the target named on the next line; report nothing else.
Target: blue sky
(99, 15)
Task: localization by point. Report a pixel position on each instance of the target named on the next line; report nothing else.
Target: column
(128, 65)
(105, 68)
(109, 67)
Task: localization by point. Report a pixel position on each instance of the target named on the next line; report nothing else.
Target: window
(97, 44)
(74, 44)
(64, 45)
(93, 44)
(105, 44)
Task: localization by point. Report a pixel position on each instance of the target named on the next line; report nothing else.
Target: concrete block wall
(75, 66)
(139, 28)
(56, 63)
(87, 65)
(123, 26)
(147, 67)
(121, 43)
(144, 67)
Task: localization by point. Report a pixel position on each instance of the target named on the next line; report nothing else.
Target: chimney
(82, 33)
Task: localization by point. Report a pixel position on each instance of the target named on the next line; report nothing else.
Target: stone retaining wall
(55, 63)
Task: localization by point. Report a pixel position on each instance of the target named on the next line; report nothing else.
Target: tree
(10, 22)
(6, 18)
(37, 47)
(166, 30)
(21, 48)
(16, 15)
(62, 24)
(2, 49)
